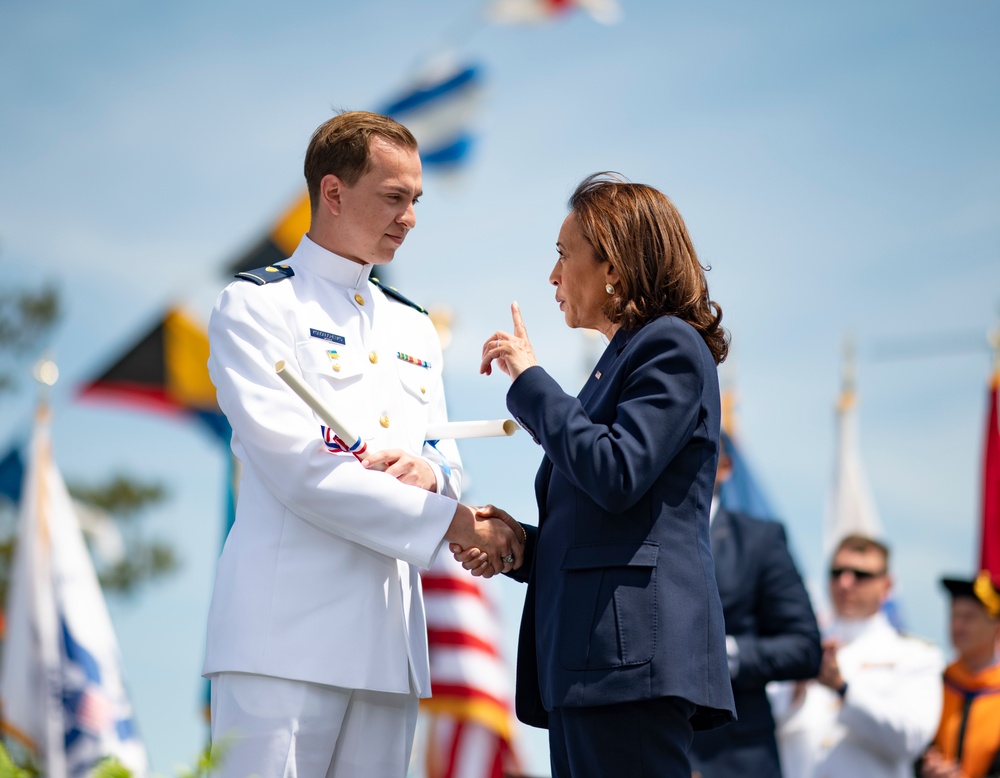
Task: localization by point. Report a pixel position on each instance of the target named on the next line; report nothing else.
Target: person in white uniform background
(875, 704)
(316, 644)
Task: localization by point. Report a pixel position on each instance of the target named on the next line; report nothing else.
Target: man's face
(973, 632)
(859, 583)
(377, 212)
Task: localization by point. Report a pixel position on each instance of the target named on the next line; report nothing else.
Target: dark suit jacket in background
(622, 603)
(767, 610)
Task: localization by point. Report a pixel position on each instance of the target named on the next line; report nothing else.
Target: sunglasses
(859, 575)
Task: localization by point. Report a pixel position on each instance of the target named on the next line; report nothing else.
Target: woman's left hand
(513, 353)
(475, 560)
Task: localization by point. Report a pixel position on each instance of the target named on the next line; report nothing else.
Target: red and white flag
(529, 11)
(469, 717)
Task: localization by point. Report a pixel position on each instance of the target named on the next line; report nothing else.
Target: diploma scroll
(471, 429)
(345, 436)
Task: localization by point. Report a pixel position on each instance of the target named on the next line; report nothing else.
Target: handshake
(486, 540)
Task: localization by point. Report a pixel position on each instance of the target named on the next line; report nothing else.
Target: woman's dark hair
(639, 231)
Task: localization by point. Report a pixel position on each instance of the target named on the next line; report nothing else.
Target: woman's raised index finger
(519, 329)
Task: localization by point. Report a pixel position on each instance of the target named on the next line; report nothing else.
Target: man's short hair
(862, 544)
(342, 146)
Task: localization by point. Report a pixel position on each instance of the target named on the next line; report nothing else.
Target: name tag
(327, 336)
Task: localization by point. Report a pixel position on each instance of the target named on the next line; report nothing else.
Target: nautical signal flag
(280, 240)
(12, 475)
(62, 689)
(164, 369)
(470, 715)
(741, 492)
(529, 11)
(439, 107)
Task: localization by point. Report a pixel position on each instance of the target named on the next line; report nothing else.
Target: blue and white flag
(62, 690)
(440, 108)
(741, 492)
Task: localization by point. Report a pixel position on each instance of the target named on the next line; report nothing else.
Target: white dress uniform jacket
(885, 720)
(318, 580)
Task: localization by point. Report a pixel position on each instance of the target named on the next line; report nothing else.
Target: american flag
(470, 721)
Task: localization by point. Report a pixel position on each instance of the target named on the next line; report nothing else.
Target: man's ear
(887, 591)
(331, 190)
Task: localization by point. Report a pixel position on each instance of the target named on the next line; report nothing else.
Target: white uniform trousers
(277, 728)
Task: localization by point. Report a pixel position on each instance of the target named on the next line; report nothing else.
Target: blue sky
(837, 166)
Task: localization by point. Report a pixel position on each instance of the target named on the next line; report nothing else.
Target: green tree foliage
(124, 498)
(208, 762)
(27, 321)
(9, 769)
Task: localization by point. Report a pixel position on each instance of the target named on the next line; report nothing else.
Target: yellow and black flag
(165, 370)
(280, 241)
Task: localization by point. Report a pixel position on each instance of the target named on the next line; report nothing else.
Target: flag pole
(46, 373)
(848, 373)
(993, 340)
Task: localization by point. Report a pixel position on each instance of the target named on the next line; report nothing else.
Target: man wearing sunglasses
(875, 704)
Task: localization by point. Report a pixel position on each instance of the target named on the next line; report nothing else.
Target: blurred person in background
(876, 702)
(622, 649)
(967, 744)
(771, 635)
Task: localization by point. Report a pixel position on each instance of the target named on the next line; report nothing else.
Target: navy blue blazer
(622, 603)
(768, 612)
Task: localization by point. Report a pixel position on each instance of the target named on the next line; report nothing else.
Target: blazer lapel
(604, 365)
(542, 487)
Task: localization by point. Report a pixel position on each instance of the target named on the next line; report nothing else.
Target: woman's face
(580, 280)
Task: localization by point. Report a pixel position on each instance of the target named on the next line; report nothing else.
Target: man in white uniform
(317, 645)
(875, 705)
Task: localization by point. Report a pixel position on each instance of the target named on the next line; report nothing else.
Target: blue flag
(439, 108)
(741, 493)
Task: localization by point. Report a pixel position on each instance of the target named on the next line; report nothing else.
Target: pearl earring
(609, 289)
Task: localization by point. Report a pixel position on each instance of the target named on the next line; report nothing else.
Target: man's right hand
(485, 536)
(934, 765)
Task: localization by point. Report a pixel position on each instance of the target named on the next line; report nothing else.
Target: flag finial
(848, 375)
(46, 373)
(993, 339)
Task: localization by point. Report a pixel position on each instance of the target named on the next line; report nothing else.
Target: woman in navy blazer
(622, 645)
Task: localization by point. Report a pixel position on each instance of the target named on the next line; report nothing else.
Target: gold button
(359, 299)
(336, 368)
(373, 357)
(270, 269)
(423, 390)
(384, 420)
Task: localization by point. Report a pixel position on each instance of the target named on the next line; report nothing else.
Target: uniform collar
(849, 630)
(317, 260)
